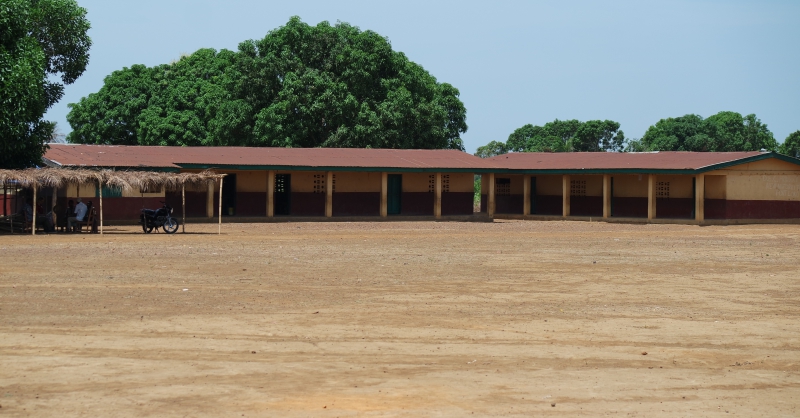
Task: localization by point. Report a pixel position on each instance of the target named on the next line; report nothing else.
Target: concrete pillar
(210, 200)
(329, 194)
(490, 203)
(699, 197)
(437, 200)
(651, 197)
(565, 195)
(270, 193)
(526, 195)
(384, 194)
(606, 195)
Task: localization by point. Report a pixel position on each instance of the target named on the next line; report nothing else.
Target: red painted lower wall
(629, 207)
(751, 209)
(586, 205)
(548, 205)
(509, 204)
(251, 204)
(356, 204)
(457, 203)
(124, 208)
(10, 205)
(675, 208)
(307, 204)
(195, 204)
(416, 203)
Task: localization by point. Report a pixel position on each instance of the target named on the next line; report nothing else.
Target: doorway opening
(283, 186)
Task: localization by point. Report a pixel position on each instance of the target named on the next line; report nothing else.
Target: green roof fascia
(349, 169)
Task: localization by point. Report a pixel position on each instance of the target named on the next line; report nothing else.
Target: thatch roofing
(126, 180)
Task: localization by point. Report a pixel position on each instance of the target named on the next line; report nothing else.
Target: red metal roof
(177, 157)
(174, 157)
(664, 160)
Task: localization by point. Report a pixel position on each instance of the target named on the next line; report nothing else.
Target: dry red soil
(403, 319)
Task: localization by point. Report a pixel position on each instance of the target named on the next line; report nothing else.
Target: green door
(394, 189)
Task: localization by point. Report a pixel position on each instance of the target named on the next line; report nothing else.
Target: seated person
(68, 213)
(80, 214)
(49, 220)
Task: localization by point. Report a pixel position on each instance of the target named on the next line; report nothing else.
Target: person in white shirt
(80, 213)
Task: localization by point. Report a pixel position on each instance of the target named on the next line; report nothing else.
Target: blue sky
(515, 62)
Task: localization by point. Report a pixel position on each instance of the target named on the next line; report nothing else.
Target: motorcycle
(159, 218)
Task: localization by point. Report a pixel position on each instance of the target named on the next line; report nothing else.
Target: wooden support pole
(329, 194)
(490, 203)
(33, 223)
(651, 197)
(384, 194)
(210, 200)
(699, 197)
(606, 195)
(183, 205)
(100, 193)
(526, 195)
(565, 194)
(10, 223)
(437, 199)
(219, 227)
(271, 193)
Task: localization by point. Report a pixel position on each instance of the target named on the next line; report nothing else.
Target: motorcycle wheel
(171, 226)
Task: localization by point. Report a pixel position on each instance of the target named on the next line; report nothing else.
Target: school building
(364, 184)
(688, 186)
(288, 183)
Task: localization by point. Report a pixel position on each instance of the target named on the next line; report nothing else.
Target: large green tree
(725, 131)
(41, 41)
(560, 136)
(791, 146)
(300, 86)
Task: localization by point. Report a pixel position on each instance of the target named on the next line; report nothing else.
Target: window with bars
(319, 183)
(662, 189)
(432, 183)
(502, 187)
(445, 183)
(280, 183)
(577, 187)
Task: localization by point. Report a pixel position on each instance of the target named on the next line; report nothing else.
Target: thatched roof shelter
(126, 180)
(36, 178)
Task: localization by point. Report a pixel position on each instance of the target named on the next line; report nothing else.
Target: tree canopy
(299, 86)
(560, 136)
(40, 41)
(791, 146)
(725, 131)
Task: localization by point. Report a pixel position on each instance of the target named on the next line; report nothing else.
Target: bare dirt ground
(403, 319)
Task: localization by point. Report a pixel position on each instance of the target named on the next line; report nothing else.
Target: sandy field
(516, 318)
